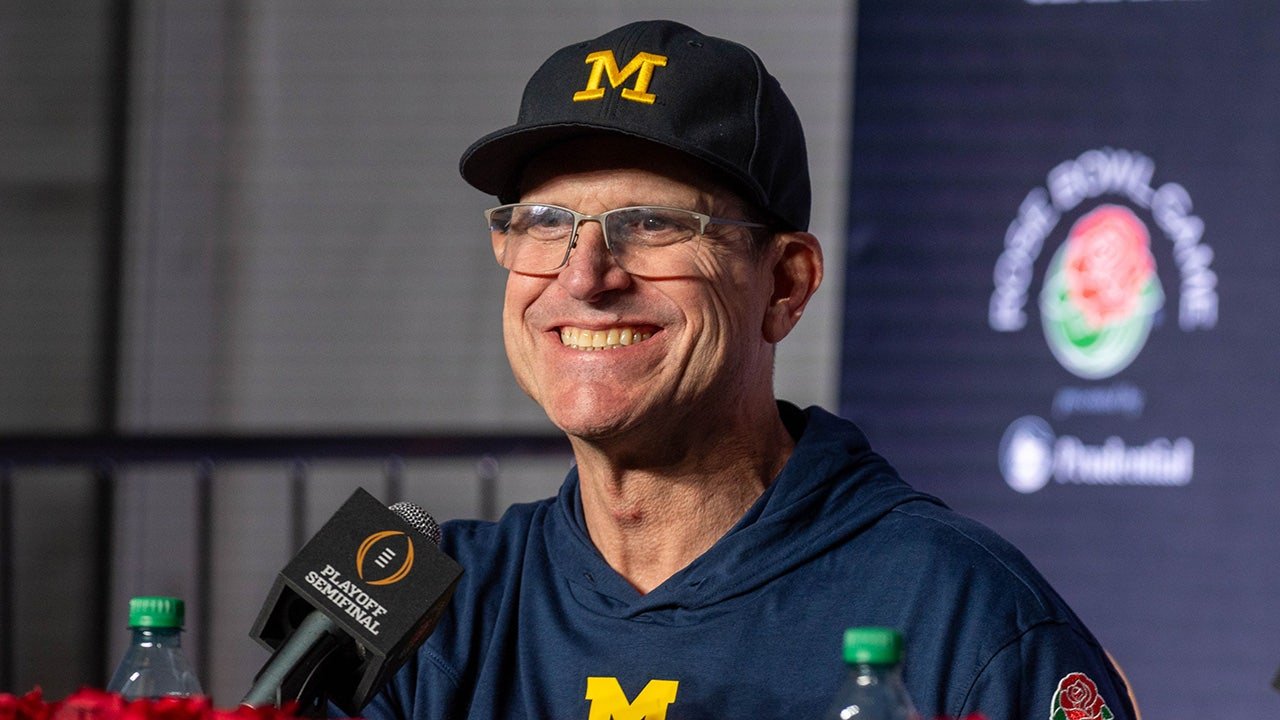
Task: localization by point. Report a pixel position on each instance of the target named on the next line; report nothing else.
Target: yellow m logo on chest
(608, 700)
(604, 64)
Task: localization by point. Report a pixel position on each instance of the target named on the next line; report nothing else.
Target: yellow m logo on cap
(608, 700)
(604, 62)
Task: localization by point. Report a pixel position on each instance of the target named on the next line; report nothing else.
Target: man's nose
(591, 270)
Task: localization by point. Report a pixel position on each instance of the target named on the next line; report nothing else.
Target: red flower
(28, 707)
(89, 704)
(1108, 263)
(1078, 698)
(168, 708)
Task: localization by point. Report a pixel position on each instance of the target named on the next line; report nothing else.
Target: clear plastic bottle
(154, 666)
(873, 689)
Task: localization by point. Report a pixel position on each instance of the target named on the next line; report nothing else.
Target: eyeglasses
(644, 240)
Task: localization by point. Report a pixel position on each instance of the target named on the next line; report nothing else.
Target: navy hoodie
(542, 627)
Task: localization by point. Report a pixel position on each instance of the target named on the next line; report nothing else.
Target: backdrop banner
(1061, 300)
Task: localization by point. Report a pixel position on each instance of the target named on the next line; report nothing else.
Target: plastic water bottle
(154, 666)
(873, 689)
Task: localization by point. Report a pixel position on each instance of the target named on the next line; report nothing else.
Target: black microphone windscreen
(418, 519)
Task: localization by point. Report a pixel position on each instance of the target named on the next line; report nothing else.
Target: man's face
(697, 348)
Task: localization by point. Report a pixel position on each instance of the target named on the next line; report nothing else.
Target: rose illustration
(1108, 263)
(1077, 699)
(1101, 293)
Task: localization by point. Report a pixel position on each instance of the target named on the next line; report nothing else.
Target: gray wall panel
(302, 257)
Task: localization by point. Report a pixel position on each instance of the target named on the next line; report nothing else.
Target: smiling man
(712, 543)
(651, 342)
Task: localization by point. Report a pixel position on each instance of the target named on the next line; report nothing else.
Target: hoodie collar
(832, 487)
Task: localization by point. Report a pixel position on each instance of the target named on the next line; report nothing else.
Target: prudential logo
(1031, 456)
(1127, 257)
(1026, 454)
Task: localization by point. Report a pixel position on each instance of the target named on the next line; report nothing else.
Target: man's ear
(797, 273)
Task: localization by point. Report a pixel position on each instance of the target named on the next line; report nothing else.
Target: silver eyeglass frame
(704, 220)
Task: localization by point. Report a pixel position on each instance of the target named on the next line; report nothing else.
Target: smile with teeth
(612, 338)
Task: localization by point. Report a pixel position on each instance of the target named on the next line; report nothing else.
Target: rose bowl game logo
(1100, 299)
(1101, 293)
(1077, 698)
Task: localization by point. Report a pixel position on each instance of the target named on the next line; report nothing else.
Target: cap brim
(495, 162)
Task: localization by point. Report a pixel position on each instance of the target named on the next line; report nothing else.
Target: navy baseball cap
(666, 83)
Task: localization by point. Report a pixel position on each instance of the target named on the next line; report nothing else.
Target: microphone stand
(296, 671)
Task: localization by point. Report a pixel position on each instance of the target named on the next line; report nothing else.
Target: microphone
(351, 607)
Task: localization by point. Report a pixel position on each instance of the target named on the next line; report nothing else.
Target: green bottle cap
(155, 612)
(872, 646)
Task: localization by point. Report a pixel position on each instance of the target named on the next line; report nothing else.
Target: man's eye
(541, 222)
(548, 220)
(651, 224)
(657, 223)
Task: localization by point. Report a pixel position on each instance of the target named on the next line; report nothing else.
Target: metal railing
(107, 457)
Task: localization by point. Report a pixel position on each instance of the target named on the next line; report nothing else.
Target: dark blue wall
(1062, 302)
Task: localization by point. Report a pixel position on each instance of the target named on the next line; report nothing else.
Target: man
(710, 546)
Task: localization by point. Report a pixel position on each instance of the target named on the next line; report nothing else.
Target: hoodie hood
(832, 488)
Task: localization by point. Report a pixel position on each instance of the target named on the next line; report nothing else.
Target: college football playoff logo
(385, 557)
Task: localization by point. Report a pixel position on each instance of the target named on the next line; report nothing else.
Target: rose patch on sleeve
(1077, 698)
